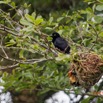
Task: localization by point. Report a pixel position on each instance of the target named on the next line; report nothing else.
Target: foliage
(28, 54)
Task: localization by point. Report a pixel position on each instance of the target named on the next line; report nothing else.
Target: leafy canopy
(28, 54)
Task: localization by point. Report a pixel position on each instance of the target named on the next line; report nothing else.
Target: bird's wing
(61, 43)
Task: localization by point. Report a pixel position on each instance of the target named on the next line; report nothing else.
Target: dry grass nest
(86, 69)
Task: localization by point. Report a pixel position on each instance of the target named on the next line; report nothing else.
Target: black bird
(60, 43)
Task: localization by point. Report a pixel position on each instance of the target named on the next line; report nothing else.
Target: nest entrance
(88, 69)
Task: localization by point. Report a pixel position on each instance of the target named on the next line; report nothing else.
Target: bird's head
(55, 35)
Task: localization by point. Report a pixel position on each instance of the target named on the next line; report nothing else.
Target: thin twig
(89, 94)
(18, 48)
(9, 31)
(9, 67)
(44, 46)
(3, 48)
(10, 23)
(32, 61)
(82, 96)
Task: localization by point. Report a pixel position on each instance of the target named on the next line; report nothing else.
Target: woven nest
(86, 69)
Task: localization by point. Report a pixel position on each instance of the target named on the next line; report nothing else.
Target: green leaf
(5, 74)
(13, 71)
(49, 38)
(3, 2)
(28, 29)
(98, 19)
(101, 34)
(48, 28)
(36, 46)
(59, 19)
(25, 22)
(34, 15)
(87, 100)
(100, 100)
(28, 75)
(44, 91)
(11, 42)
(101, 1)
(89, 10)
(13, 4)
(87, 42)
(25, 5)
(99, 7)
(62, 57)
(38, 21)
(51, 20)
(60, 31)
(29, 18)
(21, 54)
(8, 1)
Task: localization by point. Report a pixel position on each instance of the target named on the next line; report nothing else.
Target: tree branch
(18, 48)
(9, 67)
(30, 61)
(9, 31)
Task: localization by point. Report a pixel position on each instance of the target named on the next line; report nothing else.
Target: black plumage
(60, 43)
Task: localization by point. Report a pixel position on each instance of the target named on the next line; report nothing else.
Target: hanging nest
(86, 69)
